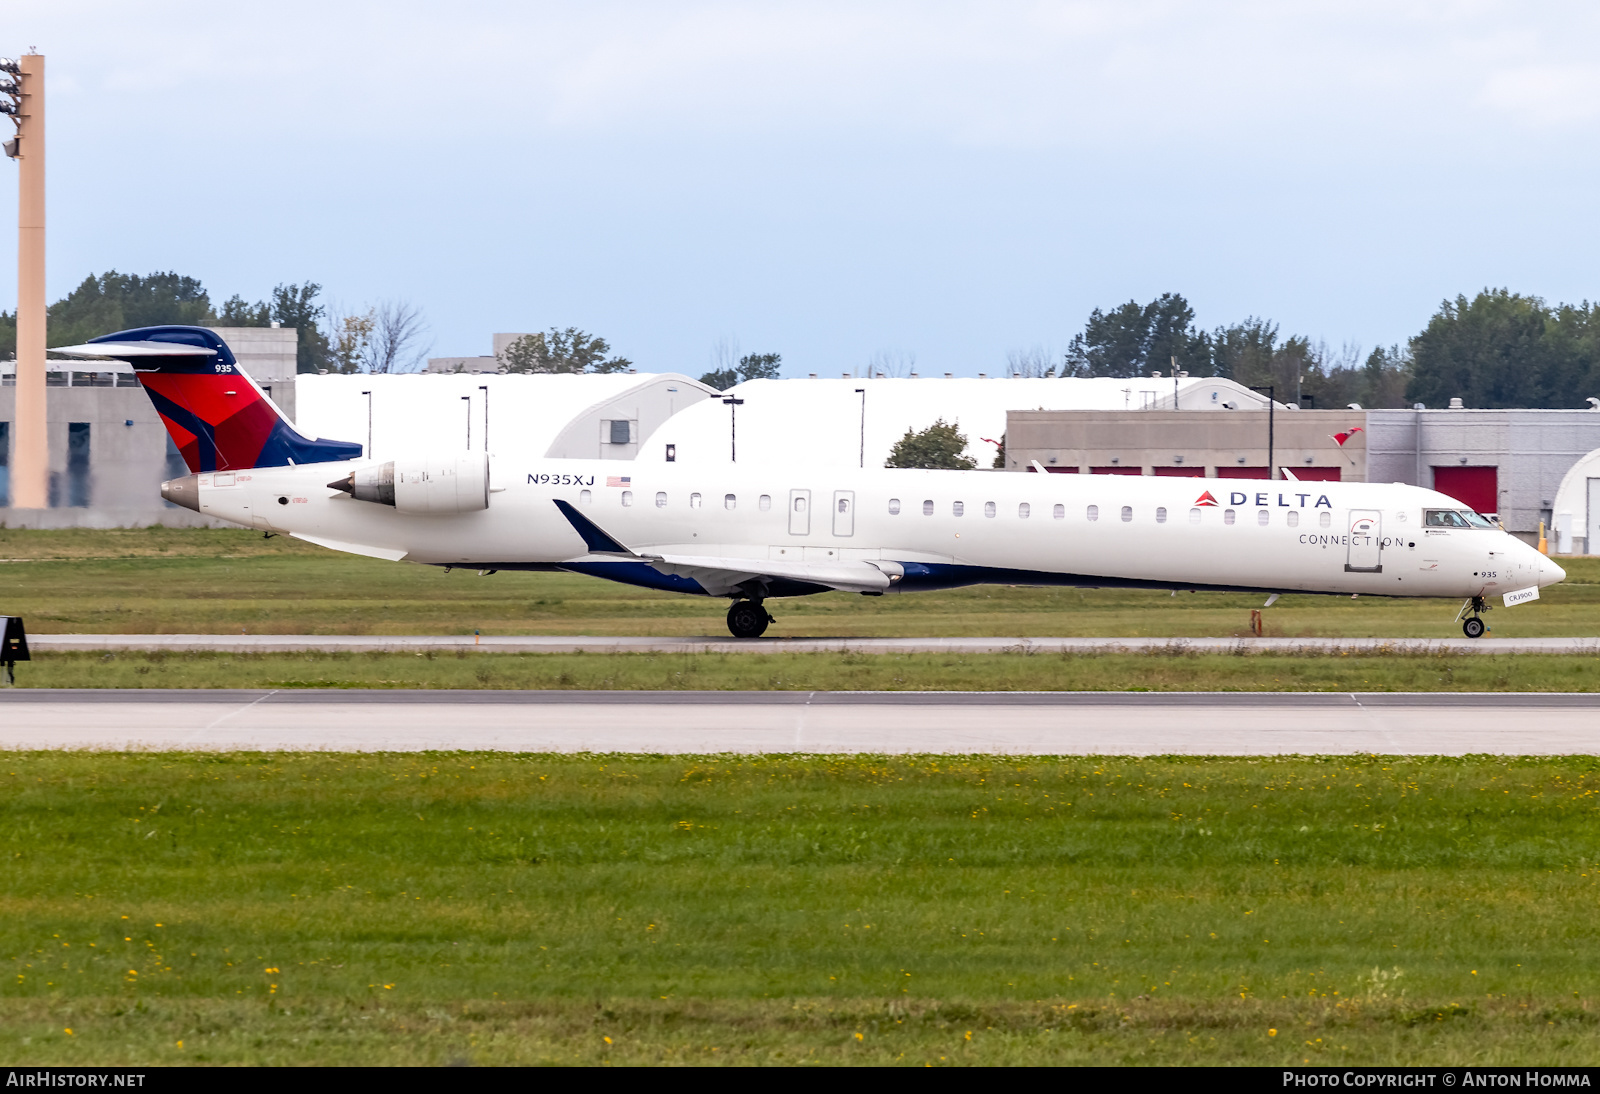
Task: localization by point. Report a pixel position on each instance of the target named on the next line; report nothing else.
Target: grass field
(166, 581)
(1157, 670)
(325, 908)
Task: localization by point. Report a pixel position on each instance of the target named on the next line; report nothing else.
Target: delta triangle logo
(1206, 499)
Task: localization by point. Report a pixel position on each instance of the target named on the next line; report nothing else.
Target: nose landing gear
(748, 619)
(1473, 626)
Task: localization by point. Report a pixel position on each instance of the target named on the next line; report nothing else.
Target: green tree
(296, 306)
(112, 301)
(941, 445)
(1243, 352)
(751, 366)
(1135, 339)
(1384, 378)
(1503, 349)
(562, 351)
(237, 312)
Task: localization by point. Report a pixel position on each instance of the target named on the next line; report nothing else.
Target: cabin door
(844, 512)
(799, 512)
(1366, 542)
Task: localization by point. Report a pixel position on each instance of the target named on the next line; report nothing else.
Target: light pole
(861, 391)
(733, 405)
(368, 394)
(485, 389)
(1272, 472)
(468, 400)
(22, 97)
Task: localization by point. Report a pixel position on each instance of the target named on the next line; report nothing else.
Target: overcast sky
(826, 180)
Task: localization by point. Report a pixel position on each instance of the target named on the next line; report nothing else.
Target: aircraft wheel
(1473, 628)
(748, 619)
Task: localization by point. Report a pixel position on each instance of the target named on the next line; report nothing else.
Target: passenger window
(1324, 518)
(988, 509)
(764, 502)
(1059, 512)
(927, 508)
(957, 508)
(1093, 512)
(1263, 517)
(694, 501)
(1023, 510)
(584, 497)
(1293, 519)
(627, 498)
(799, 504)
(894, 507)
(1227, 516)
(729, 501)
(1161, 514)
(1127, 513)
(661, 499)
(844, 505)
(1194, 516)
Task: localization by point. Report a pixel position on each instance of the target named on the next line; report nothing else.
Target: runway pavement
(416, 643)
(1074, 723)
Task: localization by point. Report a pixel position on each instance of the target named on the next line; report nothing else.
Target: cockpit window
(1444, 518)
(1476, 520)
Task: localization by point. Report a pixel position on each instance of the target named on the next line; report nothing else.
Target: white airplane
(750, 534)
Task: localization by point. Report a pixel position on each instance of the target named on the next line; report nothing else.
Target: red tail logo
(1206, 499)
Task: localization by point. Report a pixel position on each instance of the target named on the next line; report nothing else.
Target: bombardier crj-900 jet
(752, 533)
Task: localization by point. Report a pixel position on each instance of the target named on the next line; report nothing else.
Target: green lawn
(326, 908)
(168, 581)
(1156, 670)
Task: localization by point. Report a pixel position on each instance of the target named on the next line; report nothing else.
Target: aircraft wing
(719, 576)
(727, 573)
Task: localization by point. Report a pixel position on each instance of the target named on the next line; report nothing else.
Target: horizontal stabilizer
(127, 351)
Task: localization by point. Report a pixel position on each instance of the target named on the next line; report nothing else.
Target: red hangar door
(1477, 487)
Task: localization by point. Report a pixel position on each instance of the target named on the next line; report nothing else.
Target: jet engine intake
(458, 484)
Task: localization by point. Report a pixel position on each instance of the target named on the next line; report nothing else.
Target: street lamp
(485, 389)
(368, 394)
(733, 426)
(861, 391)
(1272, 472)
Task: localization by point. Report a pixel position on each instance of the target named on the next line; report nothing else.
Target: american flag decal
(619, 480)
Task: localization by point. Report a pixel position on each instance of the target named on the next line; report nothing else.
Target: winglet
(593, 537)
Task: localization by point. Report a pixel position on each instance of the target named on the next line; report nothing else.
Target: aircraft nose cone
(1549, 572)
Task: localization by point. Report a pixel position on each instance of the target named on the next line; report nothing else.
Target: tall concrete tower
(30, 461)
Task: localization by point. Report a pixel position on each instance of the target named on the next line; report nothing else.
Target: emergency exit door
(799, 512)
(844, 512)
(1366, 542)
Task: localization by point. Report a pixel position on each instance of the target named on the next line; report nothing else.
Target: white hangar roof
(826, 421)
(528, 415)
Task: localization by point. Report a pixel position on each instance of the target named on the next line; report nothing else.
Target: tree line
(1499, 349)
(385, 337)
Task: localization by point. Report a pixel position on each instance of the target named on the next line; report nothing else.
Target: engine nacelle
(447, 484)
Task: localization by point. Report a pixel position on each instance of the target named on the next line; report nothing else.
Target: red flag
(1340, 438)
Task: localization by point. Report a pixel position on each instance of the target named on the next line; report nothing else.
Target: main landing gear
(748, 619)
(1473, 626)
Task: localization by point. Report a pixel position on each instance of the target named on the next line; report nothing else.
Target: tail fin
(217, 416)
